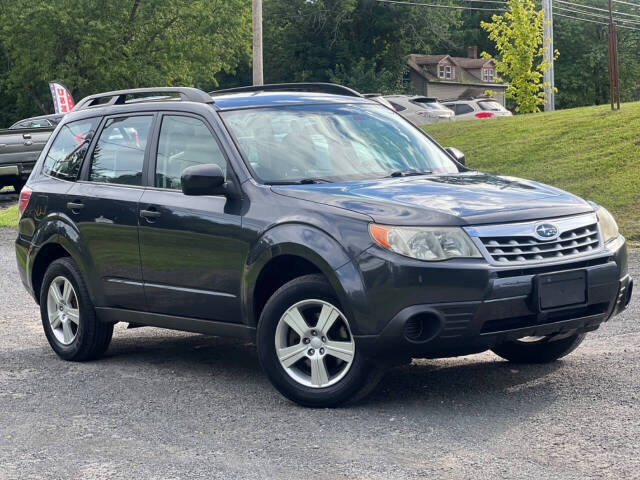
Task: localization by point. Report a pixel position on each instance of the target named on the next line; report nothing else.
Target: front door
(191, 247)
(104, 206)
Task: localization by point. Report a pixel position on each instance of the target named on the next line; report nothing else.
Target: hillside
(591, 151)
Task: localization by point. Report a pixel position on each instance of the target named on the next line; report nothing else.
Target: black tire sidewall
(543, 351)
(305, 288)
(66, 268)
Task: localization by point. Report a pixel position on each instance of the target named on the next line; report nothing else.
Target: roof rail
(330, 88)
(119, 97)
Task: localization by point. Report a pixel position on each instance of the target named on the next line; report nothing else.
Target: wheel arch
(287, 252)
(56, 239)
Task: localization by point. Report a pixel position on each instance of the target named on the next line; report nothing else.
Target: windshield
(332, 143)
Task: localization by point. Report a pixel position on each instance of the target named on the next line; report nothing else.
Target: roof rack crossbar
(119, 97)
(318, 87)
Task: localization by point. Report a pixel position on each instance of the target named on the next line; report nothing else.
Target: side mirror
(207, 179)
(457, 155)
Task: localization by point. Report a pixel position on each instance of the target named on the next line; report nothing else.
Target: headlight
(425, 243)
(608, 225)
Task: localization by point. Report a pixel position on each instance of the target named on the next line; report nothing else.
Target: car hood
(468, 198)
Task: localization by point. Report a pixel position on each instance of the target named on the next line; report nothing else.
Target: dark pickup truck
(20, 146)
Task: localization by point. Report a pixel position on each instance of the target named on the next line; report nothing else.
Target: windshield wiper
(408, 173)
(304, 181)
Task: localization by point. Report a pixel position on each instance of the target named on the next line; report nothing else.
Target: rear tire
(68, 315)
(319, 364)
(544, 350)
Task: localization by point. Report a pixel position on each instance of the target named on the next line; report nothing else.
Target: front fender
(310, 243)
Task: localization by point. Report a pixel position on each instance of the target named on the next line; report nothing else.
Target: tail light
(25, 195)
(484, 115)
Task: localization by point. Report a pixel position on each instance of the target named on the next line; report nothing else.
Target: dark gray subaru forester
(317, 223)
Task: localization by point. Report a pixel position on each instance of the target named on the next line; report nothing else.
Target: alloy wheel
(63, 310)
(314, 343)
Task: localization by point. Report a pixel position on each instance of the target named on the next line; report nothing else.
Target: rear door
(192, 248)
(104, 206)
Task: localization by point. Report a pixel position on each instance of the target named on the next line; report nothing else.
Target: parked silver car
(477, 108)
(420, 110)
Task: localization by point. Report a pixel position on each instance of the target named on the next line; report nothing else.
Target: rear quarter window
(69, 148)
(492, 106)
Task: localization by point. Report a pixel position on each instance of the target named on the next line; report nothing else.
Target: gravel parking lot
(172, 405)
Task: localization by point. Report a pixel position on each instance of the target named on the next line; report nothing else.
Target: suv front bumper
(480, 305)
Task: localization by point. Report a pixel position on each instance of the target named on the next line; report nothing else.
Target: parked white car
(477, 108)
(377, 97)
(420, 110)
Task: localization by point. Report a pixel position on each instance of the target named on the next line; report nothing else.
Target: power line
(596, 15)
(637, 5)
(582, 19)
(503, 2)
(594, 21)
(440, 6)
(588, 7)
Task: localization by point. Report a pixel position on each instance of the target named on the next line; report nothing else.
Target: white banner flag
(62, 99)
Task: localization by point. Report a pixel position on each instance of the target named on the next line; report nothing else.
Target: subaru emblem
(546, 231)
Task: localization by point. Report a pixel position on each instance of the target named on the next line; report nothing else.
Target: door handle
(26, 135)
(75, 206)
(149, 214)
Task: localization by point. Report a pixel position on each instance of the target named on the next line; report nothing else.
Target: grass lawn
(9, 216)
(591, 151)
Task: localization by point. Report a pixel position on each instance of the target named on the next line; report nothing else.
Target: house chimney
(472, 52)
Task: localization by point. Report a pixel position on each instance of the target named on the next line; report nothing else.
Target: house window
(487, 74)
(445, 71)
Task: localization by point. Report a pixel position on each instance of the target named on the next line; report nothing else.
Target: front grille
(509, 249)
(535, 270)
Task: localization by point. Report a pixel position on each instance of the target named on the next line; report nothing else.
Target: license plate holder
(561, 289)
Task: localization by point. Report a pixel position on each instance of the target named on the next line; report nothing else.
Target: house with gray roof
(450, 78)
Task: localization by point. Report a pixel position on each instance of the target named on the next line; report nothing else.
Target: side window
(462, 108)
(183, 142)
(119, 153)
(65, 156)
(397, 106)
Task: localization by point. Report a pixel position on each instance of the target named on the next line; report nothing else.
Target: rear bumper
(11, 172)
(507, 309)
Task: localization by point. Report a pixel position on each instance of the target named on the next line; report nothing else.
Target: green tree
(361, 43)
(98, 45)
(582, 73)
(517, 35)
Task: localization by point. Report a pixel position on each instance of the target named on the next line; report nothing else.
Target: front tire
(68, 315)
(539, 349)
(306, 348)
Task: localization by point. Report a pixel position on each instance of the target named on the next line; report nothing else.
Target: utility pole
(258, 78)
(614, 74)
(549, 80)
